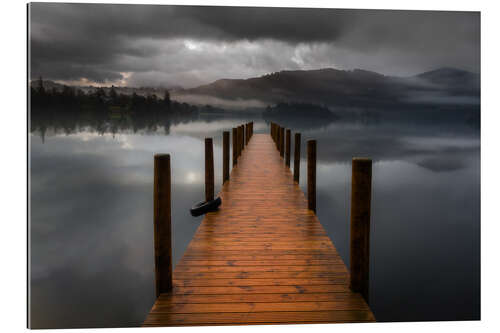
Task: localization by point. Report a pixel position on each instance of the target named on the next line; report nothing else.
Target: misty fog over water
(92, 214)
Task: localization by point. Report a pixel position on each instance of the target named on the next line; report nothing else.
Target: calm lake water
(92, 215)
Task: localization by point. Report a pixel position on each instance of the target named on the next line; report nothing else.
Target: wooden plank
(259, 275)
(262, 258)
(282, 289)
(237, 298)
(277, 262)
(202, 281)
(167, 307)
(310, 268)
(268, 255)
(228, 318)
(269, 252)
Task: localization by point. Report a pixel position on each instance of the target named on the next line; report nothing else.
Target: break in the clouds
(146, 45)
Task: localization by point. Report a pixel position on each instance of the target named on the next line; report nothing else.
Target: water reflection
(91, 214)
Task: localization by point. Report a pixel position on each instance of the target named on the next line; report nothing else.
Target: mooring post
(360, 225)
(296, 158)
(278, 144)
(162, 224)
(225, 156)
(242, 137)
(277, 141)
(287, 153)
(282, 142)
(311, 175)
(244, 128)
(235, 146)
(246, 134)
(238, 141)
(277, 136)
(209, 169)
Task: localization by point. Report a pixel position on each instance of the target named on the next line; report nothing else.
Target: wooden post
(311, 175)
(296, 158)
(162, 224)
(278, 143)
(282, 141)
(225, 156)
(239, 141)
(209, 169)
(277, 135)
(360, 225)
(242, 137)
(287, 153)
(243, 128)
(235, 147)
(246, 133)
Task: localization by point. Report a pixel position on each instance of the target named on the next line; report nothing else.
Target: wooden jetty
(263, 257)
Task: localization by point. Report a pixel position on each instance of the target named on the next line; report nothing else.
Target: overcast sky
(144, 45)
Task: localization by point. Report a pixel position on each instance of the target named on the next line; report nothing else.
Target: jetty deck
(262, 258)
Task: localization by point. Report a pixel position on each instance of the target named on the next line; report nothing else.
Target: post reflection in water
(92, 217)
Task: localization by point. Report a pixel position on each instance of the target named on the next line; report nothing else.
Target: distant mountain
(348, 88)
(453, 79)
(449, 76)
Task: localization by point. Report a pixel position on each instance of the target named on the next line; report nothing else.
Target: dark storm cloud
(100, 42)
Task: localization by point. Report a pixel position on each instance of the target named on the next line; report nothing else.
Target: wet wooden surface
(263, 258)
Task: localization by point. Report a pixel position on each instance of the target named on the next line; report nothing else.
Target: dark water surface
(92, 215)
